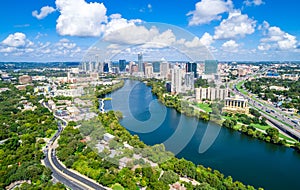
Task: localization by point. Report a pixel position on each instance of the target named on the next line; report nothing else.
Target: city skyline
(240, 30)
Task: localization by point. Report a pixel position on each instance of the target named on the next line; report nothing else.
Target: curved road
(60, 172)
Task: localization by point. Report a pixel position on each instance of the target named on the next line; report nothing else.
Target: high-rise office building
(191, 67)
(122, 65)
(164, 69)
(156, 67)
(106, 68)
(210, 67)
(141, 63)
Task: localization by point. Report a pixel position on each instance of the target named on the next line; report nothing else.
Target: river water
(246, 159)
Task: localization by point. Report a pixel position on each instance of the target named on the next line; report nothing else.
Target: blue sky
(232, 30)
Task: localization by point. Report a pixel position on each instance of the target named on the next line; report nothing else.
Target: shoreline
(199, 115)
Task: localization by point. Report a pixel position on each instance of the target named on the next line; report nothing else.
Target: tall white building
(176, 80)
(149, 71)
(164, 69)
(189, 81)
(211, 93)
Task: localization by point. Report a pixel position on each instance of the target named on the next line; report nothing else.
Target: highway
(60, 172)
(272, 115)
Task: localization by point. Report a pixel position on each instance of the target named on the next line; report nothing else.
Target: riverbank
(246, 159)
(105, 168)
(268, 134)
(182, 106)
(102, 90)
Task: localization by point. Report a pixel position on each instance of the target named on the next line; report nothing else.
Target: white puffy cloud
(274, 37)
(253, 2)
(116, 23)
(206, 39)
(208, 10)
(131, 34)
(79, 18)
(18, 46)
(264, 46)
(128, 32)
(230, 46)
(193, 43)
(17, 39)
(163, 39)
(45, 11)
(236, 25)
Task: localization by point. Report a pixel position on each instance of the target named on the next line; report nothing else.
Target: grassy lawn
(262, 127)
(204, 107)
(286, 138)
(258, 126)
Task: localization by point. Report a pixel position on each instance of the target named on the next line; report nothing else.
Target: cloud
(17, 40)
(79, 18)
(45, 11)
(116, 23)
(253, 2)
(264, 46)
(18, 46)
(205, 40)
(274, 37)
(208, 10)
(163, 39)
(236, 25)
(230, 46)
(129, 32)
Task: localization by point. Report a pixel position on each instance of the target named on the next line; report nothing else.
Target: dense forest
(22, 134)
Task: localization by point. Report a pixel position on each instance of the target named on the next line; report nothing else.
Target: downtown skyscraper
(141, 63)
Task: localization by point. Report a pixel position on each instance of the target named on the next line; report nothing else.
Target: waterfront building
(236, 104)
(149, 70)
(211, 94)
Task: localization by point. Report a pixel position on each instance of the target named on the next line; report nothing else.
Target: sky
(231, 30)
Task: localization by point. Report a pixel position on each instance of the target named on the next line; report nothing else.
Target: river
(246, 159)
